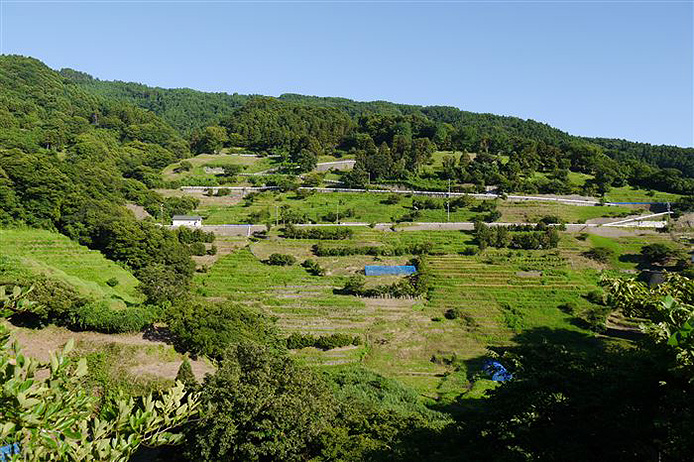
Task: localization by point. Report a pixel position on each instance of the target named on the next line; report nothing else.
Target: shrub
(415, 285)
(313, 267)
(444, 359)
(212, 250)
(280, 259)
(198, 248)
(328, 342)
(470, 251)
(325, 342)
(421, 248)
(596, 297)
(596, 317)
(600, 254)
(513, 318)
(658, 253)
(261, 406)
(569, 308)
(99, 317)
(185, 375)
(392, 199)
(202, 327)
(112, 282)
(453, 313)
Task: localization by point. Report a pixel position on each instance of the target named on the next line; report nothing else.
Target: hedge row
(324, 342)
(335, 233)
(422, 248)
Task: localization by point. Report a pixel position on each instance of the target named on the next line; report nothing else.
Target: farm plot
(301, 302)
(391, 328)
(204, 165)
(475, 301)
(531, 212)
(326, 208)
(625, 248)
(57, 256)
(501, 293)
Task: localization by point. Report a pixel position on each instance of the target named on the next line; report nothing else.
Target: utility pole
(448, 202)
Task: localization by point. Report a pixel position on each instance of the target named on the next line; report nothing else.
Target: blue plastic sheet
(378, 270)
(497, 371)
(9, 451)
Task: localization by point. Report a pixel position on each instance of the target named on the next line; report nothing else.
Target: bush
(261, 406)
(112, 282)
(453, 313)
(568, 308)
(202, 327)
(313, 267)
(212, 250)
(392, 199)
(415, 285)
(280, 259)
(198, 248)
(99, 317)
(595, 318)
(596, 297)
(325, 342)
(659, 253)
(600, 254)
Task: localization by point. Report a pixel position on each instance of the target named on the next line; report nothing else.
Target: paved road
(560, 200)
(248, 229)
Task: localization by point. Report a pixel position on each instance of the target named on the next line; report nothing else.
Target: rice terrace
(216, 276)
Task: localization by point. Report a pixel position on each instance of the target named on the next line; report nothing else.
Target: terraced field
(324, 208)
(57, 256)
(199, 175)
(531, 212)
(499, 294)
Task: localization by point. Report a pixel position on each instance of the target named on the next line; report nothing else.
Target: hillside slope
(56, 256)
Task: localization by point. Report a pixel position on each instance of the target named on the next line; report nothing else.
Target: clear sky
(613, 69)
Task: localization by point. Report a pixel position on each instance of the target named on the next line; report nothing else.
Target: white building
(186, 220)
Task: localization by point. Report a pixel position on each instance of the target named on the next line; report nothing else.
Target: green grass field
(199, 162)
(352, 207)
(631, 194)
(57, 256)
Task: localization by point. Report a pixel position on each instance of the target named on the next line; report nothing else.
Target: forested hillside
(183, 108)
(70, 161)
(392, 142)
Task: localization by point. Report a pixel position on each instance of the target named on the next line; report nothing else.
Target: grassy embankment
(56, 256)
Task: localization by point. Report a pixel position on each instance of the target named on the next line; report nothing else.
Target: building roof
(186, 217)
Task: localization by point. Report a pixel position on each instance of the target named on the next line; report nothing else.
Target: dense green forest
(392, 142)
(75, 150)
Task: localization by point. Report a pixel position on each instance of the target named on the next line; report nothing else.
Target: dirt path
(38, 343)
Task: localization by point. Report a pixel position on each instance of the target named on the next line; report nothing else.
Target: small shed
(191, 221)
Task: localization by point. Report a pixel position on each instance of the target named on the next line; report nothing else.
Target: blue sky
(613, 69)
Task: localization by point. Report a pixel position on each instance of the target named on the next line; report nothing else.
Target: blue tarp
(497, 371)
(9, 450)
(378, 270)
